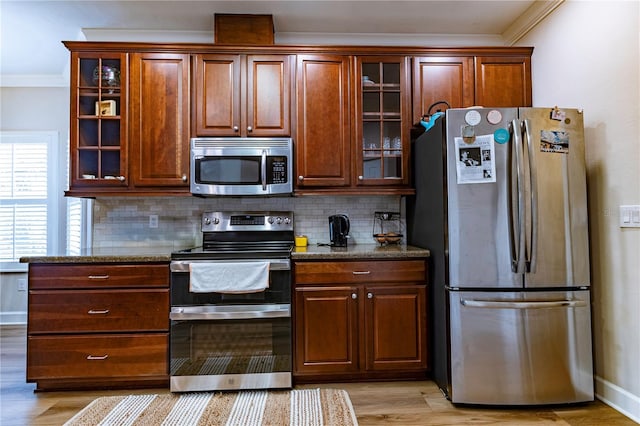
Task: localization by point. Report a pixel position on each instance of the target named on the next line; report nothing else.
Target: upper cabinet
(383, 119)
(242, 95)
(350, 110)
(98, 127)
(503, 81)
(441, 78)
(323, 137)
(159, 120)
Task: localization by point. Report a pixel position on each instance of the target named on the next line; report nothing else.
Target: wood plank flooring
(380, 403)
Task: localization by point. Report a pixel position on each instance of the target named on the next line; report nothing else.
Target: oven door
(230, 347)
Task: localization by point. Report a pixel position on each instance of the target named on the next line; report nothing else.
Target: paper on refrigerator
(476, 160)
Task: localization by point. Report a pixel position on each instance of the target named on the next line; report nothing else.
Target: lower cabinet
(360, 320)
(98, 325)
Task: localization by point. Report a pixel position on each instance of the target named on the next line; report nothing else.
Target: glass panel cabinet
(383, 109)
(98, 108)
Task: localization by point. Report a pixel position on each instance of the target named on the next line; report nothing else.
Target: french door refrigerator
(501, 204)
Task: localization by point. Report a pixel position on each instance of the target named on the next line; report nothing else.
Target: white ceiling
(31, 31)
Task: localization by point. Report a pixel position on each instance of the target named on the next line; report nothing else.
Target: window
(29, 194)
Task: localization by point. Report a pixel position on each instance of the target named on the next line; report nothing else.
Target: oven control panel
(247, 221)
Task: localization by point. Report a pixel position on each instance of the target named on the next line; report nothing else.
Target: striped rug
(305, 407)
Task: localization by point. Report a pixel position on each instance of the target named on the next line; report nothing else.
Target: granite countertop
(358, 251)
(107, 255)
(163, 254)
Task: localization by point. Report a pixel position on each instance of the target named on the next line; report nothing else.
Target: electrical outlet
(22, 284)
(153, 221)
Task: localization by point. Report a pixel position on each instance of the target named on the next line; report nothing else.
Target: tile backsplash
(124, 221)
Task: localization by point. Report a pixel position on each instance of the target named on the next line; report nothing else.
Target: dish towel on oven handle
(228, 277)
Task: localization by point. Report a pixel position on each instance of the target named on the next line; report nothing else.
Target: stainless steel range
(231, 304)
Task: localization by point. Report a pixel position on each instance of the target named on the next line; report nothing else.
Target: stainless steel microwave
(241, 166)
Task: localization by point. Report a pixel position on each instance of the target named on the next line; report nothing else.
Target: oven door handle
(178, 314)
(274, 264)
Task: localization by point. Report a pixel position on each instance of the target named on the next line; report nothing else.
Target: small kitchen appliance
(338, 230)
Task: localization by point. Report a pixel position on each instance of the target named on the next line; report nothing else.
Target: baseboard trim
(618, 398)
(13, 318)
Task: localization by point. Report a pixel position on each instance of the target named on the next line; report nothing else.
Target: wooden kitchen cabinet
(503, 81)
(323, 141)
(97, 325)
(242, 95)
(98, 137)
(159, 121)
(383, 120)
(441, 78)
(358, 320)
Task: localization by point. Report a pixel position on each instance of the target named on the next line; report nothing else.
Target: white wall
(586, 55)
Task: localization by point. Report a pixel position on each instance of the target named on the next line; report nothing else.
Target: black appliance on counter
(223, 340)
(338, 230)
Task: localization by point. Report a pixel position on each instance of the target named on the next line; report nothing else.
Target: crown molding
(539, 10)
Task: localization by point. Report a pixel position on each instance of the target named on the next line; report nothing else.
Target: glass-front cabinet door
(98, 125)
(383, 120)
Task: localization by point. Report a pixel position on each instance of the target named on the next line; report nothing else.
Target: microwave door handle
(263, 169)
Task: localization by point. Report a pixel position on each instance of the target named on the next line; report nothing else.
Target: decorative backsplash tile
(124, 221)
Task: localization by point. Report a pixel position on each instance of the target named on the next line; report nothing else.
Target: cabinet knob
(301, 178)
(249, 129)
(236, 128)
(369, 295)
(354, 296)
(184, 178)
(360, 177)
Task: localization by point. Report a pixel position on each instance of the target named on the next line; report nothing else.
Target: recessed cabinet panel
(159, 122)
(436, 79)
(323, 137)
(503, 81)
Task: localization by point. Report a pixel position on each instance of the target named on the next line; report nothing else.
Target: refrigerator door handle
(518, 217)
(533, 199)
(496, 304)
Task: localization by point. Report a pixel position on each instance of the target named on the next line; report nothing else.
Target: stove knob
(207, 221)
(278, 220)
(270, 220)
(216, 221)
(287, 220)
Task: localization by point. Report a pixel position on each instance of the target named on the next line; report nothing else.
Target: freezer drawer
(520, 348)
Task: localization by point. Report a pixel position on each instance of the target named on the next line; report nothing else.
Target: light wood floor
(402, 403)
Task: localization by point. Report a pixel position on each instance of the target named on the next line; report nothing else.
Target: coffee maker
(338, 230)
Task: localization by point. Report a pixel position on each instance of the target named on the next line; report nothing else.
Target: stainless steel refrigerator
(501, 203)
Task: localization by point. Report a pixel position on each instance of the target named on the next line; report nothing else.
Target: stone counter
(358, 251)
(163, 254)
(107, 255)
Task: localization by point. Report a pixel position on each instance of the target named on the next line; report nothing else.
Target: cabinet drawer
(109, 356)
(355, 272)
(81, 311)
(47, 276)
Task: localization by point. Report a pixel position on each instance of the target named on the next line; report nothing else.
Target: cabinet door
(326, 330)
(217, 94)
(503, 81)
(395, 324)
(159, 125)
(383, 114)
(98, 138)
(438, 79)
(323, 121)
(268, 106)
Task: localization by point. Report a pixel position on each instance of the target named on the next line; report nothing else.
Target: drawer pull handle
(97, 358)
(361, 272)
(98, 311)
(370, 295)
(98, 277)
